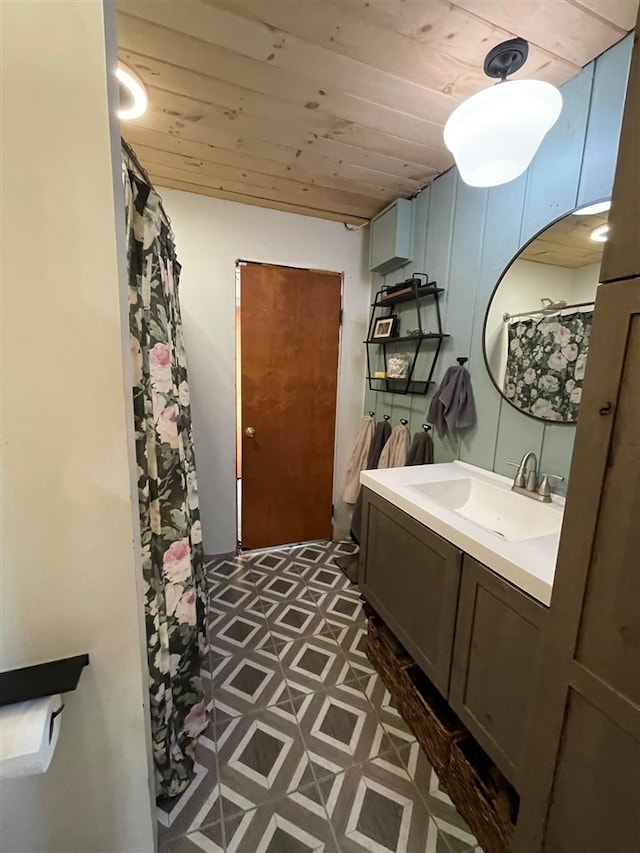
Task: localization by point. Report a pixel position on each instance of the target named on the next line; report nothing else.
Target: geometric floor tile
(378, 811)
(260, 757)
(340, 725)
(316, 661)
(304, 750)
(286, 825)
(249, 681)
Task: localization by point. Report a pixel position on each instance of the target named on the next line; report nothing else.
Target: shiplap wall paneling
(471, 235)
(417, 404)
(406, 406)
(551, 192)
(621, 257)
(438, 249)
(466, 261)
(500, 244)
(605, 121)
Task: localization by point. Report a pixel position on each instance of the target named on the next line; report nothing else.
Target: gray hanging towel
(452, 406)
(358, 460)
(380, 438)
(421, 450)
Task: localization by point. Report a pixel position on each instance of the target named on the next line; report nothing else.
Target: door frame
(238, 389)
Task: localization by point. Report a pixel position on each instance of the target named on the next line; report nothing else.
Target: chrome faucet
(526, 482)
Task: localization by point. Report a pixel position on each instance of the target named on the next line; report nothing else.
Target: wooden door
(290, 328)
(411, 577)
(582, 780)
(496, 664)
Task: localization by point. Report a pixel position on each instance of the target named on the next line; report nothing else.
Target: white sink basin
(511, 516)
(477, 511)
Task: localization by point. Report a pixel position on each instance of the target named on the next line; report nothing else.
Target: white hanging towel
(358, 460)
(395, 451)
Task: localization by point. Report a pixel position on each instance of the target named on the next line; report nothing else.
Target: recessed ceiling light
(590, 209)
(600, 234)
(495, 134)
(135, 89)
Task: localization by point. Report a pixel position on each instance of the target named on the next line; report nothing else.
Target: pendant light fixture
(495, 134)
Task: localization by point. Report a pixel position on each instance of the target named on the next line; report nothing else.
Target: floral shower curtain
(545, 365)
(172, 555)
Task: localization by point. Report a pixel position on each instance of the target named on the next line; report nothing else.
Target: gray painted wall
(464, 237)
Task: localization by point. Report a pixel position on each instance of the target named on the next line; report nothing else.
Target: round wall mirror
(538, 322)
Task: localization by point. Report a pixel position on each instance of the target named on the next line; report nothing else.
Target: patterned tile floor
(304, 750)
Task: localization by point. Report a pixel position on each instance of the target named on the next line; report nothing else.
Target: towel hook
(426, 427)
(404, 421)
(371, 414)
(461, 361)
(387, 417)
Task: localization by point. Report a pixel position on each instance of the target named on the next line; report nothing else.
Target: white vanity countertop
(528, 564)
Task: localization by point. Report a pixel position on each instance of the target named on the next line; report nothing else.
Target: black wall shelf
(425, 337)
(412, 291)
(422, 290)
(43, 679)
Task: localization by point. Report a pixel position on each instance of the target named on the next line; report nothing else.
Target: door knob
(250, 432)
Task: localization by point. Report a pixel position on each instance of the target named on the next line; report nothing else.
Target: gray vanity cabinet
(411, 577)
(496, 664)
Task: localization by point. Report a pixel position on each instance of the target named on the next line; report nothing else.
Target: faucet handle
(519, 479)
(543, 488)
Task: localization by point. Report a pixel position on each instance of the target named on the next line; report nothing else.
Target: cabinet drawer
(411, 576)
(496, 664)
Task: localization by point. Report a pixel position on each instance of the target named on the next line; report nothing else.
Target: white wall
(585, 282)
(521, 289)
(211, 234)
(70, 545)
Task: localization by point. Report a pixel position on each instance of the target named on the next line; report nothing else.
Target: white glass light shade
(495, 134)
(135, 87)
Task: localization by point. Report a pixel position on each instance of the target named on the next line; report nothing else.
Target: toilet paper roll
(28, 736)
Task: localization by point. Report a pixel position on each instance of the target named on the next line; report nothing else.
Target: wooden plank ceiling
(330, 109)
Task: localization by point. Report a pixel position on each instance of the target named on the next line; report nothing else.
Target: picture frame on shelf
(385, 328)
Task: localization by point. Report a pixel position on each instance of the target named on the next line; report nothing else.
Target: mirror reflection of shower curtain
(172, 552)
(545, 365)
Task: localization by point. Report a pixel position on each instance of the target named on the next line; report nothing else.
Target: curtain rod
(546, 311)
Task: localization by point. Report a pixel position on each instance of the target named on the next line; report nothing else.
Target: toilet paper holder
(43, 679)
(52, 721)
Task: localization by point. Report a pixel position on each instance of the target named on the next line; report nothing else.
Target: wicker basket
(417, 701)
(429, 717)
(482, 796)
(479, 791)
(387, 656)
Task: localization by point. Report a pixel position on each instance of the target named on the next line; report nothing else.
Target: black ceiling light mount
(506, 58)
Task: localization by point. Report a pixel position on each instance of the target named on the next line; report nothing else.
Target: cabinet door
(496, 663)
(581, 787)
(411, 577)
